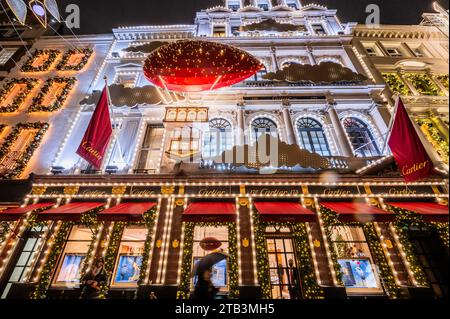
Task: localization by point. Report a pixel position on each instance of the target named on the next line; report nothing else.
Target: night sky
(100, 16)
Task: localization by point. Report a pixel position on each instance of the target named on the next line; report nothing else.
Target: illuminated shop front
(305, 245)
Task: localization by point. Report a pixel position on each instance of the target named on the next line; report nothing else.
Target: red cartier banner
(407, 148)
(98, 134)
(196, 66)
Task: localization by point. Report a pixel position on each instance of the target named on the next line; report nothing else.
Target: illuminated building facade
(330, 217)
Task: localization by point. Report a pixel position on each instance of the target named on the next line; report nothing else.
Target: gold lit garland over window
(75, 59)
(20, 89)
(41, 61)
(396, 84)
(444, 80)
(114, 243)
(21, 163)
(423, 84)
(184, 288)
(330, 220)
(407, 219)
(440, 144)
(46, 274)
(52, 95)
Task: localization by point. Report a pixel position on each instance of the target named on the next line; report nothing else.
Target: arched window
(361, 138)
(218, 139)
(313, 137)
(262, 126)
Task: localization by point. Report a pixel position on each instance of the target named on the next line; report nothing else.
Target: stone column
(309, 51)
(240, 130)
(290, 131)
(346, 148)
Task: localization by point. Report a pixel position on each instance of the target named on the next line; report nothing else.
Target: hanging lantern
(210, 244)
(196, 66)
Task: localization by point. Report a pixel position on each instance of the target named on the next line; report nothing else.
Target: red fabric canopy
(359, 212)
(430, 211)
(210, 212)
(69, 212)
(126, 212)
(284, 212)
(15, 214)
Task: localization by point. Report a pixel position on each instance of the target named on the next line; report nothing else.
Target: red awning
(359, 212)
(126, 212)
(210, 212)
(69, 212)
(431, 212)
(14, 214)
(284, 212)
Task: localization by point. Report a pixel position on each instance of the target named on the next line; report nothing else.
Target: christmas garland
(19, 98)
(440, 144)
(46, 275)
(52, 56)
(444, 80)
(396, 84)
(2, 127)
(37, 106)
(22, 162)
(149, 222)
(111, 254)
(262, 264)
(305, 263)
(90, 220)
(423, 84)
(185, 284)
(406, 219)
(330, 220)
(63, 66)
(443, 231)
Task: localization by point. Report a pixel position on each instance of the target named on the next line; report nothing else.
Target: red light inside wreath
(196, 66)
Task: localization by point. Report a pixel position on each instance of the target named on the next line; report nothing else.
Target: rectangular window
(359, 272)
(371, 52)
(73, 257)
(219, 31)
(319, 29)
(293, 5)
(150, 155)
(129, 260)
(6, 54)
(264, 6)
(24, 263)
(220, 270)
(393, 52)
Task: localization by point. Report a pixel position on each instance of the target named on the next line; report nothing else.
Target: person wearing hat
(93, 280)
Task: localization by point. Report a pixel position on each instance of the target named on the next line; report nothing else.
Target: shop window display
(282, 263)
(200, 249)
(359, 273)
(73, 257)
(130, 256)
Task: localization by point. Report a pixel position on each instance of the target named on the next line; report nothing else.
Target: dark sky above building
(100, 16)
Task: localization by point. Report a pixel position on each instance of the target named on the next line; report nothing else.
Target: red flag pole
(391, 124)
(111, 111)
